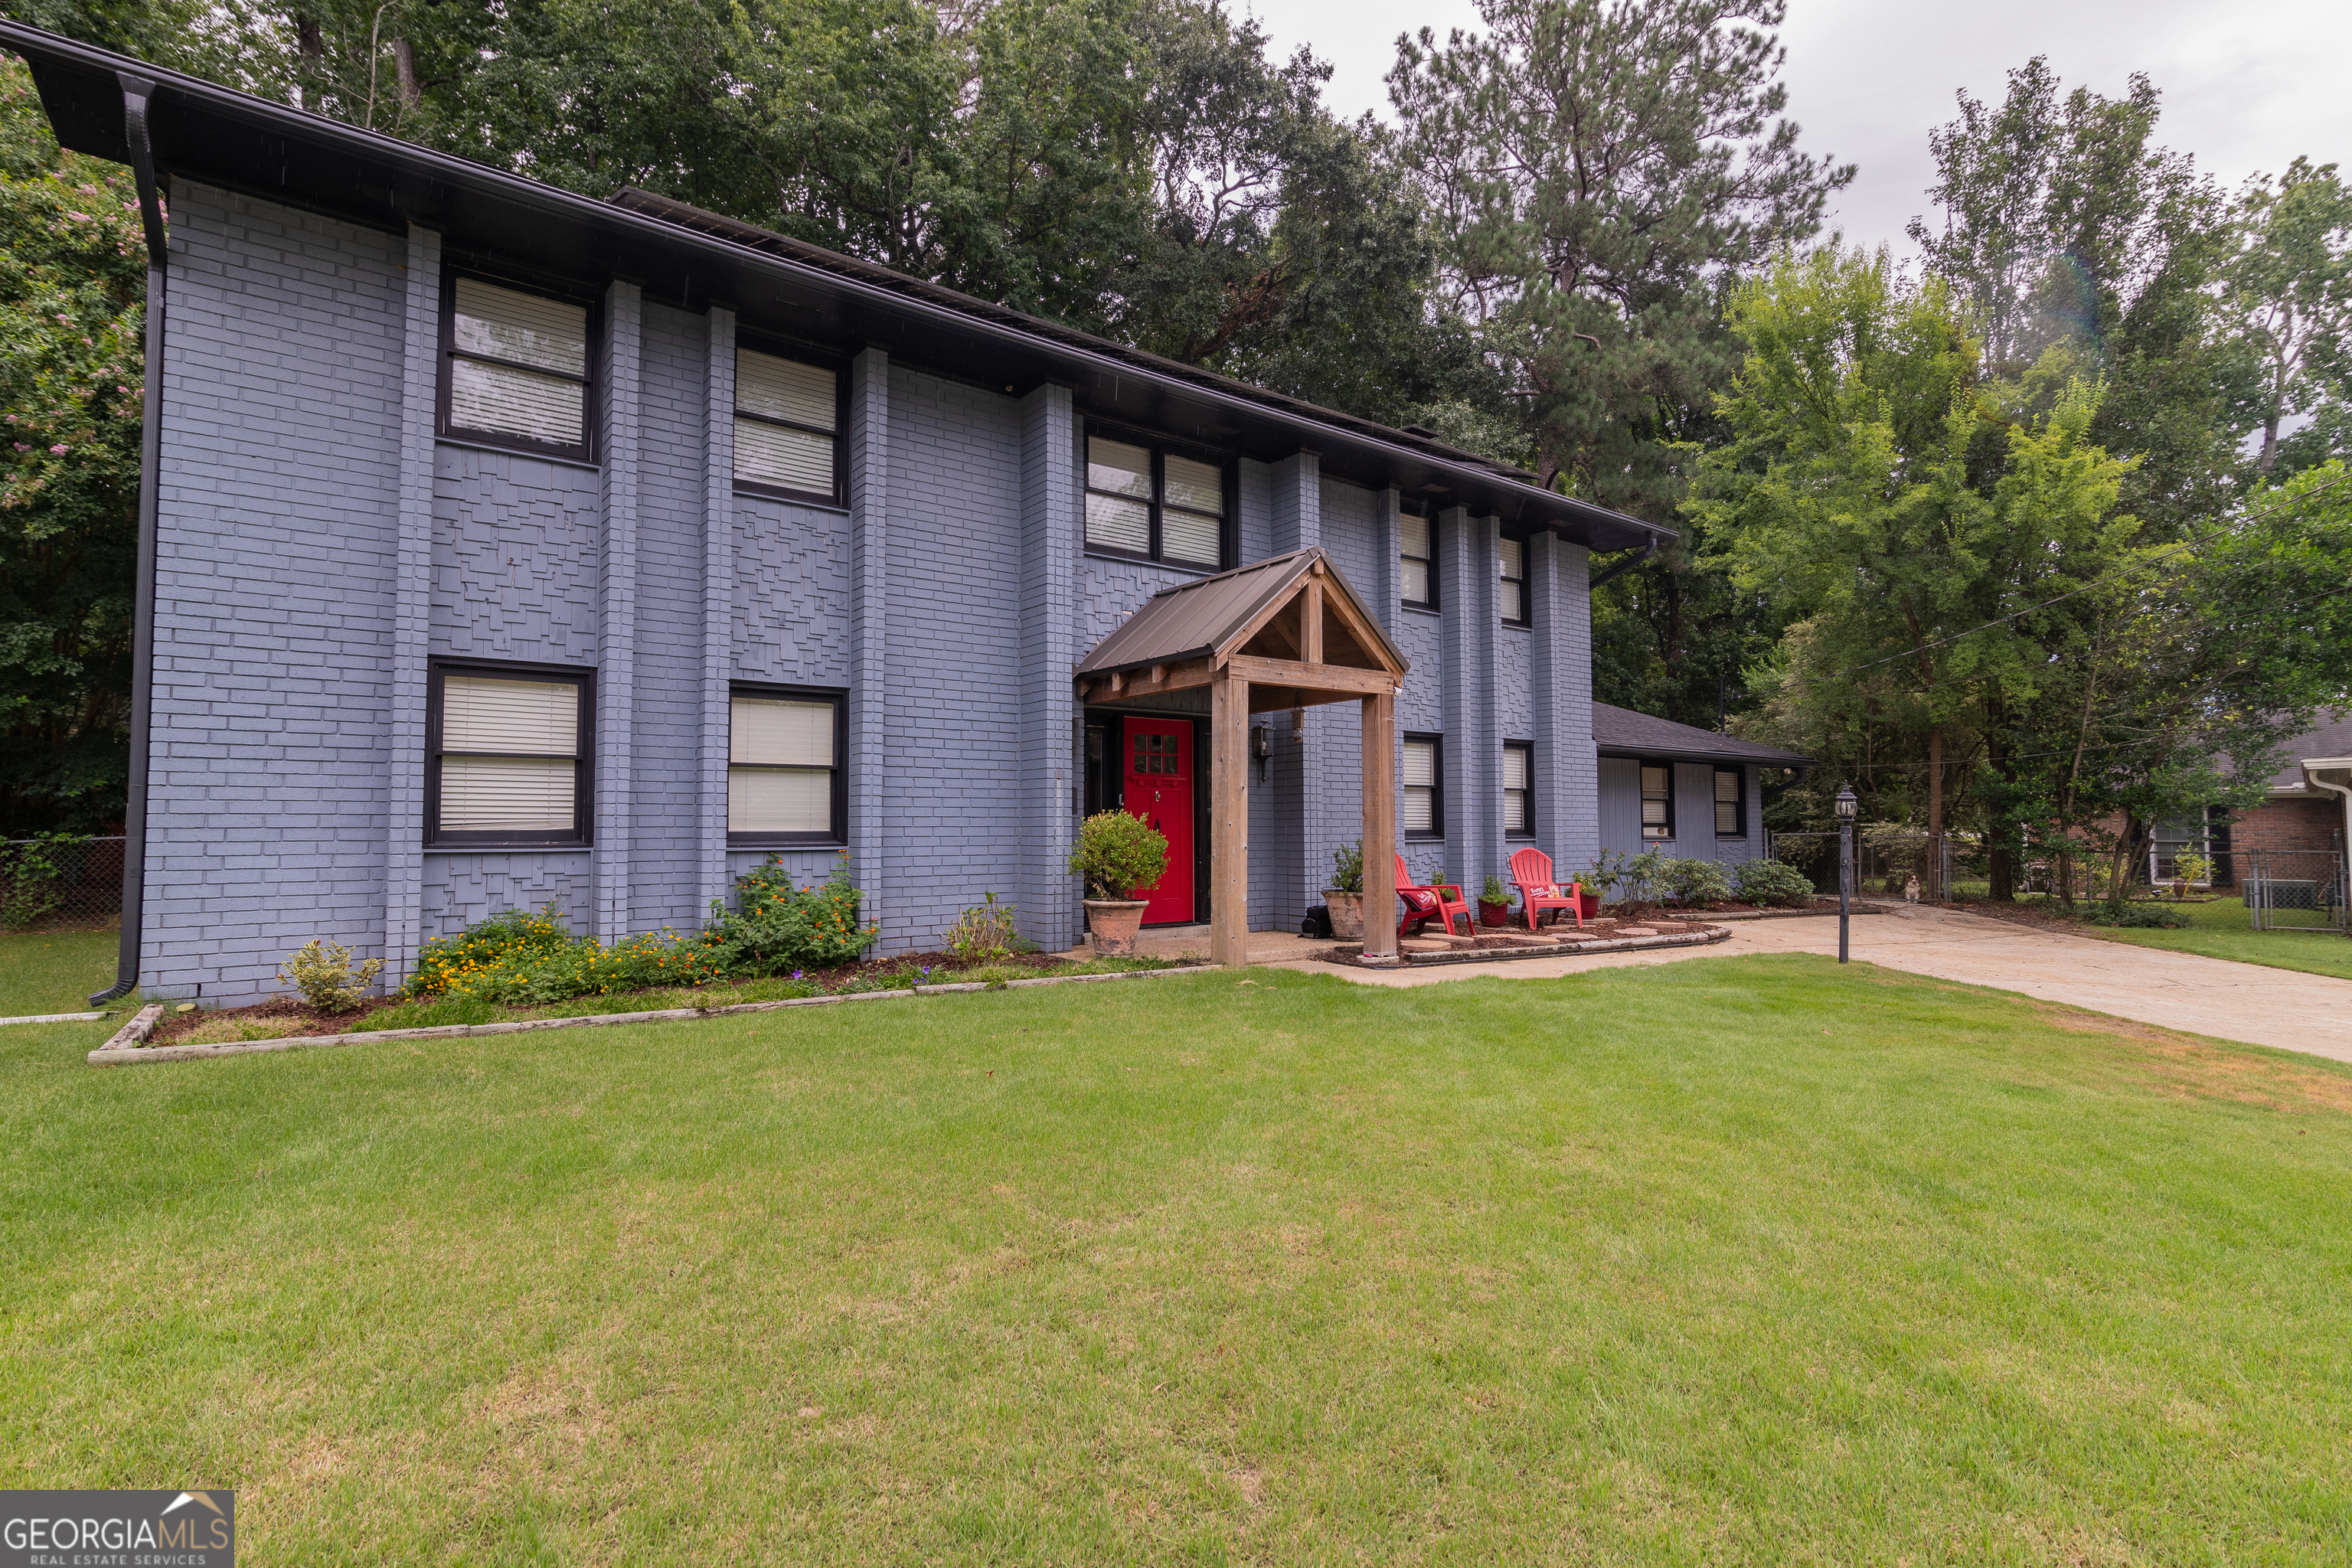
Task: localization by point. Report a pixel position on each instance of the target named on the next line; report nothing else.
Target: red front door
(1159, 789)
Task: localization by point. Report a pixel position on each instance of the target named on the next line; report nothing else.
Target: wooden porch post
(1229, 819)
(1380, 825)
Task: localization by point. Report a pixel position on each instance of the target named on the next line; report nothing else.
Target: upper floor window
(787, 427)
(1155, 505)
(784, 782)
(1513, 557)
(1657, 801)
(507, 756)
(1518, 793)
(515, 368)
(1730, 804)
(1421, 810)
(1417, 560)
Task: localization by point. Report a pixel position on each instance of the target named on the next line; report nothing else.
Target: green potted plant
(1345, 897)
(1494, 903)
(1120, 856)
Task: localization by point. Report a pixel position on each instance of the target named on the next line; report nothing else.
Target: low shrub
(323, 973)
(985, 932)
(777, 929)
(1695, 882)
(29, 879)
(2151, 917)
(1766, 883)
(511, 942)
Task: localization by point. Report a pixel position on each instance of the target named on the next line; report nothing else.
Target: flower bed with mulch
(288, 1018)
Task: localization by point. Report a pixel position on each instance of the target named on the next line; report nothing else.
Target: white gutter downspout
(2334, 774)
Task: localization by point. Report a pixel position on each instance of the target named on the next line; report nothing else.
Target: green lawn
(1743, 1261)
(2221, 931)
(56, 971)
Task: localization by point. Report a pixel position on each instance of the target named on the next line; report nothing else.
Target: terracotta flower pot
(1113, 925)
(1493, 914)
(1347, 914)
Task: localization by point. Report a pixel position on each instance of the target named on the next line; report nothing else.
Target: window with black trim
(1417, 560)
(784, 780)
(1730, 804)
(1518, 789)
(1512, 563)
(507, 754)
(1657, 801)
(1421, 810)
(787, 427)
(515, 368)
(1154, 504)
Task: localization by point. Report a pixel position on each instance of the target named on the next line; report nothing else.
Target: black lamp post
(1846, 808)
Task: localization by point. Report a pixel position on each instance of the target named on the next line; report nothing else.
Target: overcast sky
(2245, 87)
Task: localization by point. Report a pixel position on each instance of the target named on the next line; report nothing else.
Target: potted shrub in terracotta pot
(1120, 856)
(1494, 903)
(1345, 897)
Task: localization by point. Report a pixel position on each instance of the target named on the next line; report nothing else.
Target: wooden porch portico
(1285, 633)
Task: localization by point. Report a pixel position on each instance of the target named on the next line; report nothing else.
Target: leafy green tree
(1879, 490)
(2065, 230)
(72, 287)
(2290, 287)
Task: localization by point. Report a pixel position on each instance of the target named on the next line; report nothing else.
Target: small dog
(1911, 888)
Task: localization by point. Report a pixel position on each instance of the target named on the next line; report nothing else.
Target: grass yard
(56, 971)
(1720, 1261)
(2220, 931)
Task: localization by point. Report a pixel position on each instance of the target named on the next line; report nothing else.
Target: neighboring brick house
(2302, 817)
(502, 547)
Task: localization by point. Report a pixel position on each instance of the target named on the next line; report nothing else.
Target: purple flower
(58, 451)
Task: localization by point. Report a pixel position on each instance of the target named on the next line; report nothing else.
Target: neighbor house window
(787, 426)
(1421, 810)
(1155, 505)
(1657, 802)
(515, 369)
(1514, 568)
(1518, 794)
(784, 782)
(1417, 560)
(1730, 804)
(507, 756)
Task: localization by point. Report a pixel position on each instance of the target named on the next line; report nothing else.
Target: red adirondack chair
(1532, 870)
(1440, 900)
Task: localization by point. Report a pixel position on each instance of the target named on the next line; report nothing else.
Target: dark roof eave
(79, 89)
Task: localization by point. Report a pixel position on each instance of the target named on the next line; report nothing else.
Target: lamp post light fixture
(1847, 807)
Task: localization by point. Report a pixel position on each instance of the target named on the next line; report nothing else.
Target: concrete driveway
(2212, 997)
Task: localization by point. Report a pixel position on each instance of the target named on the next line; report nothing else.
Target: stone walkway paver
(2280, 1008)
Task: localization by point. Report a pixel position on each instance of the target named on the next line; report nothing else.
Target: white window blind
(1119, 496)
(1657, 803)
(1191, 518)
(522, 775)
(519, 364)
(781, 762)
(1512, 559)
(1727, 804)
(1417, 811)
(784, 422)
(1515, 789)
(1412, 551)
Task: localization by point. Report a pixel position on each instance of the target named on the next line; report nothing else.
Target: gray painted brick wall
(276, 562)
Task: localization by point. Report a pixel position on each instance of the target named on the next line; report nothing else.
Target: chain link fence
(59, 881)
(1884, 860)
(2289, 889)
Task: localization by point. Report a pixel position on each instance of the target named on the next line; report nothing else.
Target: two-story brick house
(505, 547)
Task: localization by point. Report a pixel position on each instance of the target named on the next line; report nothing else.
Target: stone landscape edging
(1565, 949)
(124, 1049)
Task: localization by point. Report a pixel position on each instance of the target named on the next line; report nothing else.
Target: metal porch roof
(1207, 616)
